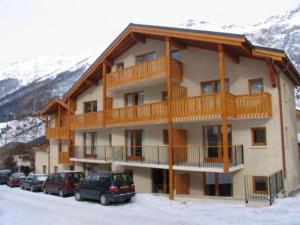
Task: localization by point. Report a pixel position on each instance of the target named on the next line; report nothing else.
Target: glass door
(134, 144)
(89, 144)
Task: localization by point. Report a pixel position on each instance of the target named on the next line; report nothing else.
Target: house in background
(186, 112)
(40, 147)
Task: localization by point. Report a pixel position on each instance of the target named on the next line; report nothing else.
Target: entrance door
(180, 145)
(134, 144)
(160, 181)
(213, 143)
(182, 183)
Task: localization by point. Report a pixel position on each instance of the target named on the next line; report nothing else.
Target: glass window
(136, 98)
(259, 136)
(214, 86)
(120, 66)
(256, 86)
(260, 185)
(90, 106)
(145, 57)
(164, 96)
(89, 142)
(176, 55)
(165, 137)
(96, 177)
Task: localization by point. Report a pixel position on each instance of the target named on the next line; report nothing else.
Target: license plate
(123, 187)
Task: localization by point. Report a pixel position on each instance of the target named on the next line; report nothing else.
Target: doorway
(213, 142)
(218, 184)
(160, 181)
(134, 144)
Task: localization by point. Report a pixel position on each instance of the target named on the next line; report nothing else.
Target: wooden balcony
(55, 133)
(151, 70)
(147, 113)
(87, 120)
(64, 158)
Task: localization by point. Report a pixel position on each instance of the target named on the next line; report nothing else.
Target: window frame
(251, 81)
(255, 191)
(252, 136)
(144, 55)
(92, 103)
(214, 85)
(134, 98)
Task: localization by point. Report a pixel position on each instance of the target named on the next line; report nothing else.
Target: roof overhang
(52, 106)
(135, 33)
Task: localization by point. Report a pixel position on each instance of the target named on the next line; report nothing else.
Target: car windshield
(19, 175)
(5, 172)
(41, 178)
(121, 179)
(74, 177)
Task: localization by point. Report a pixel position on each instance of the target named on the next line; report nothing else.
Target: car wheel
(61, 193)
(32, 188)
(78, 196)
(22, 186)
(103, 200)
(128, 200)
(45, 190)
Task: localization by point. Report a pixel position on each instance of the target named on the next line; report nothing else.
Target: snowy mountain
(281, 31)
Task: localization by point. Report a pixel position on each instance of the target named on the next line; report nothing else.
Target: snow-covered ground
(18, 207)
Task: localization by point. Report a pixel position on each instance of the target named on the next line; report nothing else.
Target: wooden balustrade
(54, 133)
(137, 114)
(249, 106)
(198, 107)
(151, 69)
(87, 120)
(64, 158)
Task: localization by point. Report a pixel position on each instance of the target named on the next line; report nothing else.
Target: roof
(135, 33)
(51, 107)
(38, 141)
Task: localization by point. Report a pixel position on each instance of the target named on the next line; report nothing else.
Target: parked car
(34, 182)
(106, 187)
(62, 183)
(4, 175)
(15, 179)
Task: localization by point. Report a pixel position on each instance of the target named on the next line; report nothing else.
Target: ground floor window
(44, 169)
(55, 169)
(259, 136)
(260, 185)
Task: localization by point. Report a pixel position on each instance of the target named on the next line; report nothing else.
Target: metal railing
(273, 187)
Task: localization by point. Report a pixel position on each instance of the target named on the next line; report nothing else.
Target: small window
(259, 136)
(256, 86)
(260, 185)
(165, 137)
(176, 55)
(145, 57)
(164, 96)
(55, 169)
(214, 86)
(120, 66)
(90, 106)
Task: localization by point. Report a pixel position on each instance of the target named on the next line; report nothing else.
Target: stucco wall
(41, 159)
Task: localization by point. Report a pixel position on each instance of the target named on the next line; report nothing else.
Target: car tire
(22, 187)
(78, 196)
(127, 200)
(32, 188)
(103, 200)
(45, 190)
(61, 193)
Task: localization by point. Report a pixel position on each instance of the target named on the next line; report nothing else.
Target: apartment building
(185, 112)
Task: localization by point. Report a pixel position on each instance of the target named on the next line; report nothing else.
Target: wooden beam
(104, 99)
(178, 44)
(170, 122)
(69, 139)
(217, 182)
(138, 38)
(90, 83)
(232, 56)
(272, 73)
(221, 59)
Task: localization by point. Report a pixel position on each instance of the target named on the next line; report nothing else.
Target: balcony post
(170, 122)
(104, 72)
(221, 59)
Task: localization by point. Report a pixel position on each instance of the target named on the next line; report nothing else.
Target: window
(89, 143)
(44, 169)
(145, 57)
(256, 86)
(259, 136)
(176, 55)
(214, 86)
(165, 137)
(260, 185)
(136, 98)
(120, 66)
(55, 169)
(164, 96)
(90, 106)
(71, 167)
(59, 145)
(134, 143)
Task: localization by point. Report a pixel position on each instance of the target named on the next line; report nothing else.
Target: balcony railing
(152, 69)
(54, 133)
(96, 152)
(64, 158)
(137, 114)
(207, 156)
(87, 120)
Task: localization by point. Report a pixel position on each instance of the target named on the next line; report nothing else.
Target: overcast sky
(30, 28)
